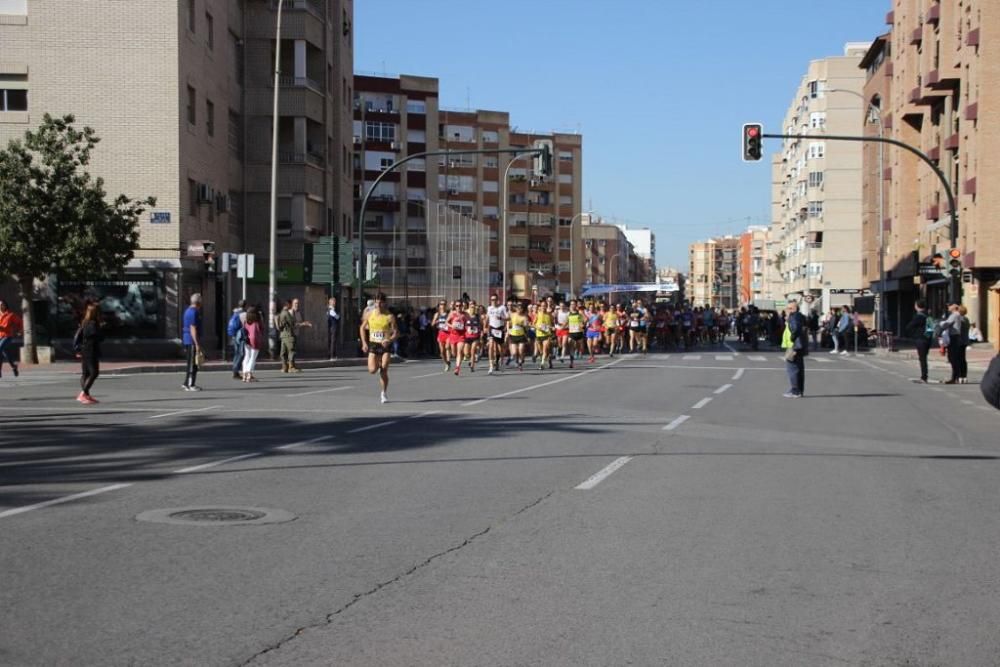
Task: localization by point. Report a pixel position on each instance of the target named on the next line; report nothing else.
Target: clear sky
(658, 88)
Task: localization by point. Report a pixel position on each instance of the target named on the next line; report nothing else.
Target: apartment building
(181, 95)
(401, 116)
(606, 252)
(644, 241)
(816, 185)
(935, 79)
(713, 272)
(752, 262)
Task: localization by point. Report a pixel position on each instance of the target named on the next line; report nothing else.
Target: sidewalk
(978, 355)
(119, 367)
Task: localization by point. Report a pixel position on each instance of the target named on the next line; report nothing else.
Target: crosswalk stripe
(824, 361)
(692, 357)
(723, 357)
(757, 358)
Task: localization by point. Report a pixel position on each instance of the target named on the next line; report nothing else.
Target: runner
(441, 322)
(610, 328)
(456, 334)
(496, 316)
(473, 329)
(378, 331)
(594, 332)
(575, 323)
(562, 330)
(543, 334)
(517, 330)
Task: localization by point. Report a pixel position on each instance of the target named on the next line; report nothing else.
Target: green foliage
(53, 215)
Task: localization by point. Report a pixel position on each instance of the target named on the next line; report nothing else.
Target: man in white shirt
(497, 316)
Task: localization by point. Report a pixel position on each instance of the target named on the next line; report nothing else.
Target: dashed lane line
(543, 384)
(677, 422)
(64, 499)
(319, 391)
(206, 466)
(702, 403)
(603, 474)
(723, 388)
(739, 373)
(186, 412)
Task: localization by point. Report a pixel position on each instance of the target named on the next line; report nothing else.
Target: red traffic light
(753, 131)
(954, 253)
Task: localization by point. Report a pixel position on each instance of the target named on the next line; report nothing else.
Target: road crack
(358, 597)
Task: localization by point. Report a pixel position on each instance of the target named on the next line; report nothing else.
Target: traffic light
(955, 263)
(371, 266)
(209, 255)
(543, 161)
(753, 148)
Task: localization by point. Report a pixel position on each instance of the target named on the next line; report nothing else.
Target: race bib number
(498, 334)
(574, 328)
(377, 336)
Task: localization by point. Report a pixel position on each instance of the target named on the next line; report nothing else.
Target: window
(565, 244)
(566, 156)
(565, 178)
(13, 100)
(380, 131)
(817, 149)
(191, 15)
(490, 162)
(210, 117)
(490, 136)
(235, 134)
(815, 209)
(192, 197)
(236, 51)
(817, 120)
(210, 31)
(192, 112)
(815, 179)
(816, 89)
(416, 136)
(419, 164)
(491, 186)
(565, 200)
(416, 106)
(14, 7)
(385, 163)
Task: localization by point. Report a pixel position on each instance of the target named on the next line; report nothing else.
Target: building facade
(609, 258)
(936, 81)
(816, 196)
(190, 124)
(713, 272)
(752, 262)
(644, 241)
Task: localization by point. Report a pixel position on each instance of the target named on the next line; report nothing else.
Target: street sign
(967, 276)
(852, 290)
(456, 272)
(244, 266)
(930, 269)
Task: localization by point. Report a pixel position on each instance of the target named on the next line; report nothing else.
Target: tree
(54, 217)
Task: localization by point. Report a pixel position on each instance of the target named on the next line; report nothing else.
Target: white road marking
(702, 403)
(756, 369)
(692, 357)
(371, 427)
(185, 412)
(756, 357)
(601, 475)
(205, 466)
(824, 360)
(739, 373)
(723, 388)
(426, 375)
(303, 443)
(730, 348)
(543, 384)
(968, 402)
(723, 357)
(318, 391)
(675, 423)
(64, 499)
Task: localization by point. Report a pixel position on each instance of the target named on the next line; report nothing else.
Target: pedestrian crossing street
(749, 357)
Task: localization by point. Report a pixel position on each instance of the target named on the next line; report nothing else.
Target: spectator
(332, 327)
(10, 327)
(254, 335)
(191, 337)
(237, 336)
(89, 338)
(795, 343)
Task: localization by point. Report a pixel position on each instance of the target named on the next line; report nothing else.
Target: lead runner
(378, 331)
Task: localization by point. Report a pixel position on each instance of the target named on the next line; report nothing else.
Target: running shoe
(384, 398)
(458, 369)
(16, 372)
(79, 397)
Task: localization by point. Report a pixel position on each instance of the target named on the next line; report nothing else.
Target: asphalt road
(672, 509)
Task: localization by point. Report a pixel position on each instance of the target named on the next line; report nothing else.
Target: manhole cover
(216, 516)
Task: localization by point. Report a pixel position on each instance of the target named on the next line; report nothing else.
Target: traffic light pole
(955, 284)
(393, 167)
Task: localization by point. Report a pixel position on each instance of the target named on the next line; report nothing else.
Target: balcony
(972, 38)
(517, 252)
(887, 174)
(972, 111)
(917, 36)
(951, 143)
(934, 14)
(932, 78)
(887, 121)
(888, 68)
(934, 154)
(969, 187)
(933, 212)
(915, 97)
(890, 18)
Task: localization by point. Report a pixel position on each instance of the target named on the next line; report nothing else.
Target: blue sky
(638, 78)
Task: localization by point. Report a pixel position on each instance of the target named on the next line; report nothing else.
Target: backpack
(930, 326)
(234, 325)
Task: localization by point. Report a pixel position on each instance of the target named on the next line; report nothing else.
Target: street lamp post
(271, 275)
(572, 248)
(503, 222)
(874, 114)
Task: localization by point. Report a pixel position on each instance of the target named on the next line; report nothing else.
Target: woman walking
(254, 343)
(89, 338)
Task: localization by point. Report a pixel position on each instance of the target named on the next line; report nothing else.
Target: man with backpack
(237, 336)
(921, 330)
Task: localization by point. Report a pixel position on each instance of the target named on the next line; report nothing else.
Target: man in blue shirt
(191, 335)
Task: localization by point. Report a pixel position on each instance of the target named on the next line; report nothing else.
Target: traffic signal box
(753, 147)
(955, 263)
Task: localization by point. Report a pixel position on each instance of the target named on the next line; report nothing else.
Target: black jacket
(799, 329)
(91, 338)
(990, 385)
